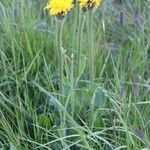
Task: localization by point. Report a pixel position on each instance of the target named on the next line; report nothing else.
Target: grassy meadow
(80, 83)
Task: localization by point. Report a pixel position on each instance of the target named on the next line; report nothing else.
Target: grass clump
(98, 106)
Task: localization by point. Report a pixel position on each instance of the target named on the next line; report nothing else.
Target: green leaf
(99, 99)
(81, 67)
(98, 121)
(45, 121)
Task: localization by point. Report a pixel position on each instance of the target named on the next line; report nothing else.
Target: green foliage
(111, 113)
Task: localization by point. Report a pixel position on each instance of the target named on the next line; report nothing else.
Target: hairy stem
(91, 46)
(59, 34)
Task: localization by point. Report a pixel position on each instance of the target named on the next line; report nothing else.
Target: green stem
(74, 26)
(91, 46)
(59, 33)
(79, 41)
(72, 87)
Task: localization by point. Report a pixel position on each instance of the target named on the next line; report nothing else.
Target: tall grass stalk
(111, 113)
(72, 87)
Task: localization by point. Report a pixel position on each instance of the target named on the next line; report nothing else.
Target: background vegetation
(111, 113)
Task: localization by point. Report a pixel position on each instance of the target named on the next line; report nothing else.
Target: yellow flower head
(59, 7)
(89, 3)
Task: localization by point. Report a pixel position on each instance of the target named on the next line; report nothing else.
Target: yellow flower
(59, 7)
(89, 3)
